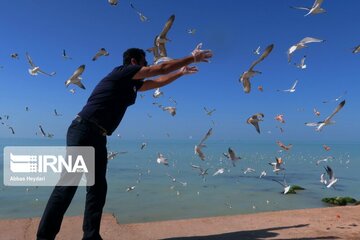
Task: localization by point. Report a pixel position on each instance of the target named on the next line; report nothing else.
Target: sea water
(157, 197)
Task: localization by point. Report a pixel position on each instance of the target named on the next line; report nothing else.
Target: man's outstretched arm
(172, 65)
(168, 78)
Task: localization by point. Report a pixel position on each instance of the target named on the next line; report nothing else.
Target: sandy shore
(320, 223)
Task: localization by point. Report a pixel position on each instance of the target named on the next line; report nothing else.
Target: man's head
(134, 56)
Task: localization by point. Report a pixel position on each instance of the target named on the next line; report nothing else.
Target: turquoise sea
(156, 197)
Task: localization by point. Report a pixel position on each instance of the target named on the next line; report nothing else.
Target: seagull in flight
(34, 70)
(292, 89)
(157, 93)
(277, 165)
(142, 17)
(280, 118)
(332, 179)
(14, 55)
(159, 49)
(284, 184)
(302, 64)
(101, 52)
(247, 75)
(209, 112)
(65, 56)
(76, 77)
(283, 146)
(301, 44)
(162, 160)
(171, 110)
(336, 99)
(56, 113)
(113, 2)
(191, 31)
(42, 131)
(255, 119)
(356, 49)
(315, 9)
(232, 156)
(219, 171)
(324, 160)
(203, 172)
(319, 125)
(197, 148)
(257, 51)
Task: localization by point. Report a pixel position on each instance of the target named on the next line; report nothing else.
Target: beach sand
(319, 223)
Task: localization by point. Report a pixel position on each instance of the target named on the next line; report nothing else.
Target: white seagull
(315, 9)
(302, 64)
(292, 89)
(284, 184)
(76, 77)
(157, 93)
(34, 70)
(162, 160)
(301, 44)
(277, 165)
(332, 179)
(319, 125)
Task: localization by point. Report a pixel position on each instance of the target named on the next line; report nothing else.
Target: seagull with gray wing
(332, 179)
(101, 52)
(255, 119)
(301, 44)
(197, 148)
(315, 9)
(319, 125)
(302, 64)
(284, 184)
(142, 17)
(159, 49)
(247, 75)
(76, 77)
(34, 70)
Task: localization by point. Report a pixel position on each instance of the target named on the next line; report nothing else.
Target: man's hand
(188, 70)
(201, 55)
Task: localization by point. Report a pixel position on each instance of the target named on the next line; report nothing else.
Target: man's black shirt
(109, 100)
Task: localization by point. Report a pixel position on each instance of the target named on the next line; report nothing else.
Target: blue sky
(232, 29)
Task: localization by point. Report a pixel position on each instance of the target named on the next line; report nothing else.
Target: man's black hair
(136, 53)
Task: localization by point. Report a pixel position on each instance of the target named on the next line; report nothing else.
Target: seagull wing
(167, 26)
(301, 8)
(317, 3)
(310, 40)
(266, 52)
(78, 71)
(48, 74)
(30, 60)
(294, 85)
(337, 109)
(208, 134)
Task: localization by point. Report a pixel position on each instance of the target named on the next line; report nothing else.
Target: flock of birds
(160, 54)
